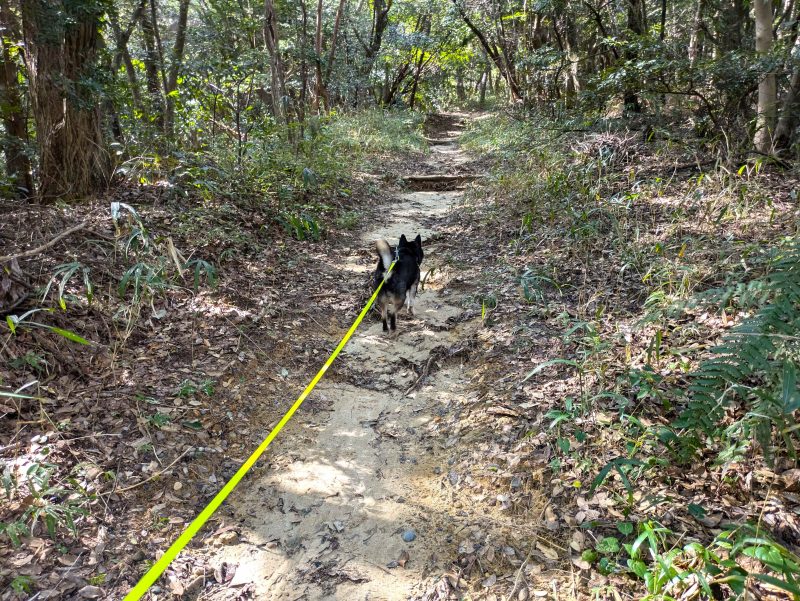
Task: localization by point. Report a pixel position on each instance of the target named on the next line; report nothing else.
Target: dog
(400, 286)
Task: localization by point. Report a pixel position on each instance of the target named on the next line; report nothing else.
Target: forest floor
(435, 435)
(143, 426)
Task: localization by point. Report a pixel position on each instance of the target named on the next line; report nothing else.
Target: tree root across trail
(349, 506)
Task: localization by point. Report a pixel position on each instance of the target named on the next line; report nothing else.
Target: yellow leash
(158, 568)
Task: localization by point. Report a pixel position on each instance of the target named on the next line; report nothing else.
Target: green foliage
(189, 388)
(301, 227)
(145, 280)
(200, 267)
(16, 322)
(22, 584)
(668, 570)
(55, 504)
(65, 272)
(755, 364)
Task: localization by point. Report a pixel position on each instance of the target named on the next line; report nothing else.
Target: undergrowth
(673, 295)
(188, 220)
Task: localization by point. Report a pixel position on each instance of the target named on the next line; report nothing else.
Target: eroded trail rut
(326, 519)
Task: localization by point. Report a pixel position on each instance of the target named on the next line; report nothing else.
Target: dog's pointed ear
(403, 240)
(418, 241)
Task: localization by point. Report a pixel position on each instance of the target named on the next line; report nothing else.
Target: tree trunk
(696, 39)
(380, 21)
(18, 166)
(123, 56)
(334, 36)
(572, 76)
(493, 53)
(304, 54)
(415, 84)
(62, 41)
(174, 68)
(790, 108)
(637, 26)
(321, 92)
(152, 69)
(271, 35)
(765, 119)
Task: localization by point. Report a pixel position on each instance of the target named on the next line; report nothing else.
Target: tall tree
(18, 166)
(272, 41)
(62, 40)
(767, 93)
(637, 25)
(171, 86)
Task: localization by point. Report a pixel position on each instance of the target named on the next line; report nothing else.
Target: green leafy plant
(16, 322)
(200, 267)
(671, 568)
(159, 420)
(54, 504)
(301, 226)
(30, 360)
(145, 280)
(22, 584)
(64, 273)
(189, 388)
(756, 363)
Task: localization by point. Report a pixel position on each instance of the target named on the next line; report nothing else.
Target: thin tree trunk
(573, 80)
(303, 54)
(152, 68)
(271, 35)
(696, 39)
(790, 108)
(766, 109)
(417, 73)
(334, 37)
(18, 166)
(493, 53)
(175, 66)
(123, 56)
(637, 26)
(321, 92)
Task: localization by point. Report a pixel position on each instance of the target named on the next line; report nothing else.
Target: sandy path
(326, 518)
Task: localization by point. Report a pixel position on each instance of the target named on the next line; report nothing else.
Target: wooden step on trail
(440, 141)
(439, 180)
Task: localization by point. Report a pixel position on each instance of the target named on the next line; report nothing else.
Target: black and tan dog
(401, 284)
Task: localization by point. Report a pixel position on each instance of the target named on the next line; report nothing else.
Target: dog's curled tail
(385, 253)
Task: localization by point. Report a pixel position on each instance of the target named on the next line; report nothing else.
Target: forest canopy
(89, 85)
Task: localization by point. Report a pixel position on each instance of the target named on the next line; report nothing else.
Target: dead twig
(154, 476)
(35, 251)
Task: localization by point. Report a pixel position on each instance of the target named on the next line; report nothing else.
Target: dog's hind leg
(393, 321)
(384, 311)
(411, 296)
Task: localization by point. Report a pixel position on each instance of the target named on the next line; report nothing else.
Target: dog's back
(400, 285)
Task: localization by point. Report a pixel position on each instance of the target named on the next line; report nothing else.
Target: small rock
(91, 592)
(409, 535)
(195, 586)
(177, 486)
(231, 537)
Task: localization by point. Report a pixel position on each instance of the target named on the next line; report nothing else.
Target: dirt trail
(347, 480)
